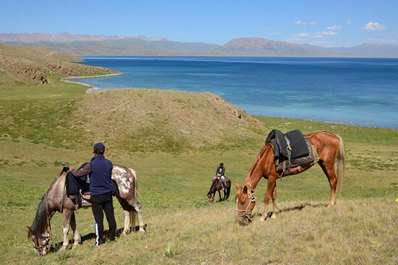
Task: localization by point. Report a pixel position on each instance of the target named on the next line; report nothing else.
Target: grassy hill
(22, 65)
(175, 140)
(155, 120)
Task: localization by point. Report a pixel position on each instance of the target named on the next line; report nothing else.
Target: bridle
(245, 213)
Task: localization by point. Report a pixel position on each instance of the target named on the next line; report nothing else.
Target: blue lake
(344, 90)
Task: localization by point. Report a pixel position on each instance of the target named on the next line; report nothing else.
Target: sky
(327, 23)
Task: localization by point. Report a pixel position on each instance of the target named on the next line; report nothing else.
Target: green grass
(44, 126)
(183, 228)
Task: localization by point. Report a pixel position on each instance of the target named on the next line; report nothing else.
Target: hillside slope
(59, 114)
(158, 120)
(29, 65)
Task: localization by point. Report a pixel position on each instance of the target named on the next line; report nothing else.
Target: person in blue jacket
(101, 189)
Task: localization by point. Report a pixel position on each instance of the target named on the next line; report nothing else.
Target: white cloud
(374, 26)
(302, 35)
(305, 23)
(311, 37)
(276, 33)
(324, 33)
(334, 27)
(348, 22)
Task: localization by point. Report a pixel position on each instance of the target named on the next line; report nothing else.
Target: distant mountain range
(99, 45)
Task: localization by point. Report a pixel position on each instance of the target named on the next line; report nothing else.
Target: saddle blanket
(293, 140)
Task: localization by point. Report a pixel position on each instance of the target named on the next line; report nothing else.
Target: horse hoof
(273, 216)
(264, 216)
(126, 231)
(141, 229)
(63, 248)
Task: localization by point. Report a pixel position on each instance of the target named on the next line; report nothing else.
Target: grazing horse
(56, 200)
(328, 149)
(217, 186)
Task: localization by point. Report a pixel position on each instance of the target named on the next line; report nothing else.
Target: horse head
(245, 202)
(39, 231)
(41, 241)
(210, 196)
(215, 186)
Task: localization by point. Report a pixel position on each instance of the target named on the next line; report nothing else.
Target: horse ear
(245, 189)
(238, 186)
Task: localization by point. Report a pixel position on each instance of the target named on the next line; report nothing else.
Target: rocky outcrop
(25, 70)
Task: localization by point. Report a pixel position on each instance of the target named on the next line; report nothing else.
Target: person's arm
(82, 171)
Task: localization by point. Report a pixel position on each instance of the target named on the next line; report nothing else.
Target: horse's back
(328, 145)
(124, 175)
(126, 181)
(323, 139)
(324, 136)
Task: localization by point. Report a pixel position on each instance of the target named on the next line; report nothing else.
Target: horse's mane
(41, 220)
(260, 154)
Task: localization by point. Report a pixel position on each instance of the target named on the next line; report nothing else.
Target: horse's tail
(339, 166)
(137, 204)
(228, 189)
(135, 179)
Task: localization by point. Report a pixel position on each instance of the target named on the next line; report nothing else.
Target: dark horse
(56, 200)
(328, 149)
(217, 186)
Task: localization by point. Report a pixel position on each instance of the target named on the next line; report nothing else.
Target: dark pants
(101, 204)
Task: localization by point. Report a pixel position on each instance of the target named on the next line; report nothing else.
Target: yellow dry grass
(353, 232)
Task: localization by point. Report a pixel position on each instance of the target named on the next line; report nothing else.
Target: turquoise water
(352, 91)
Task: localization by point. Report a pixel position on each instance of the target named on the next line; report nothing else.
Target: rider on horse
(220, 173)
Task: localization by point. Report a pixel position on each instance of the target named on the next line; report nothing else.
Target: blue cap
(99, 148)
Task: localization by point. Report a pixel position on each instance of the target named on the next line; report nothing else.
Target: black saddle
(76, 187)
(289, 149)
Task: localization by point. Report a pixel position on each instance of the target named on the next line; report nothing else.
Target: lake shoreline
(90, 87)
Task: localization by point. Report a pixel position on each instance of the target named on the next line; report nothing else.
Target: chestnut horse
(56, 200)
(328, 149)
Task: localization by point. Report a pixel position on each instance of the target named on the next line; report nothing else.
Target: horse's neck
(214, 187)
(41, 223)
(252, 179)
(49, 205)
(56, 195)
(259, 169)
